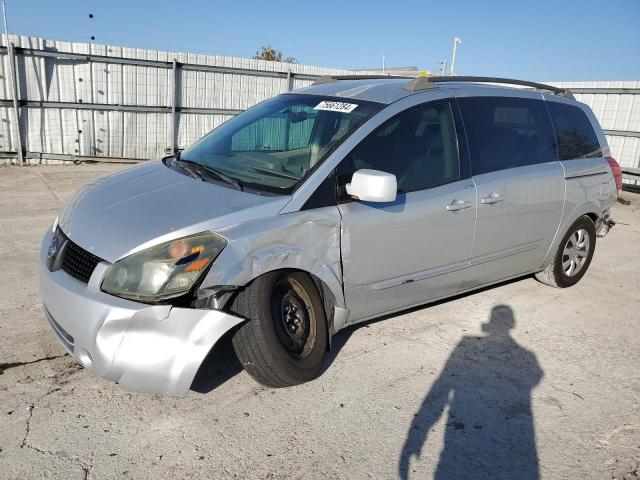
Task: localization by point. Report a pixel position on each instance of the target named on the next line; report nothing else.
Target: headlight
(165, 271)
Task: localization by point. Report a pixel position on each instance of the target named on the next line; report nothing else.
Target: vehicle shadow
(341, 338)
(220, 365)
(484, 390)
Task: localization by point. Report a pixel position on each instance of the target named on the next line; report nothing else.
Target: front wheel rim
(576, 252)
(293, 317)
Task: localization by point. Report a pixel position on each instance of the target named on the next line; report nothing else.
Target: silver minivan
(318, 209)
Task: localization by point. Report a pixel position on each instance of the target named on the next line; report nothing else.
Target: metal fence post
(289, 80)
(174, 104)
(13, 67)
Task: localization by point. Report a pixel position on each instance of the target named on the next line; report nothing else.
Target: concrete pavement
(543, 381)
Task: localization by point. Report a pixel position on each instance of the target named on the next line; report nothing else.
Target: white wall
(141, 135)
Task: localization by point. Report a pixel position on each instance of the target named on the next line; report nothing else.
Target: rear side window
(505, 132)
(574, 132)
(419, 147)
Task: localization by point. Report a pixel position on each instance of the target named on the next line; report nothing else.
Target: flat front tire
(285, 339)
(572, 256)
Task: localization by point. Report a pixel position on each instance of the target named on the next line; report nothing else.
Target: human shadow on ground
(485, 388)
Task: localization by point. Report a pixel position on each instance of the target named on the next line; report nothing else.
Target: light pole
(456, 41)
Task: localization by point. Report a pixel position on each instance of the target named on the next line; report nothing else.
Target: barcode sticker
(336, 106)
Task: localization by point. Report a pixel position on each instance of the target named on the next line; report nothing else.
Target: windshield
(275, 144)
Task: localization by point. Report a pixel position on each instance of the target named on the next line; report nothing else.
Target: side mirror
(373, 186)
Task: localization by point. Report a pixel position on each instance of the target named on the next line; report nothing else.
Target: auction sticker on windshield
(336, 106)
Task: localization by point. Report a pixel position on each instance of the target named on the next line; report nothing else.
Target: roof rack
(335, 78)
(427, 83)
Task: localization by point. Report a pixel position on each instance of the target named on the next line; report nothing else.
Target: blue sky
(542, 40)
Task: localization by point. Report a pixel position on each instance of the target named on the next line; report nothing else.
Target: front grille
(77, 262)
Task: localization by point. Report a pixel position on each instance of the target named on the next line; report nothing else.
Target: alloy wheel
(575, 252)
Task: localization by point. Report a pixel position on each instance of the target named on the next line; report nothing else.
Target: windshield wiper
(174, 162)
(199, 168)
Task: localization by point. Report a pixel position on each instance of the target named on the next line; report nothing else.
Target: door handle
(458, 204)
(494, 197)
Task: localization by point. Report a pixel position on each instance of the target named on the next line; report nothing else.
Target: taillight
(617, 172)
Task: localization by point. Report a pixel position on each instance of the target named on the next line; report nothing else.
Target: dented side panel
(307, 240)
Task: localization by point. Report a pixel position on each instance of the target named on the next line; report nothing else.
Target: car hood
(149, 204)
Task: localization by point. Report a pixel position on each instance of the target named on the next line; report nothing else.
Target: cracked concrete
(7, 366)
(26, 444)
(27, 427)
(557, 390)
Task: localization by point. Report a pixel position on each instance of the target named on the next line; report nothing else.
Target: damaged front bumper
(146, 348)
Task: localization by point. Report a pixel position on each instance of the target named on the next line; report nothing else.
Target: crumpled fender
(307, 240)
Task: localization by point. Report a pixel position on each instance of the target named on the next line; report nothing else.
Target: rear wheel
(572, 257)
(285, 340)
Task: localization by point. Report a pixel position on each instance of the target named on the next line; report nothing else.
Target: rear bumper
(605, 224)
(146, 348)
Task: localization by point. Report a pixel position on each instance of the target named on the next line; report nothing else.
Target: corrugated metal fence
(80, 100)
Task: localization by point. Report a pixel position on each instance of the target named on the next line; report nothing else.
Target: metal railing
(18, 104)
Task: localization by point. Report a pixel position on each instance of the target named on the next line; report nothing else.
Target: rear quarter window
(575, 135)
